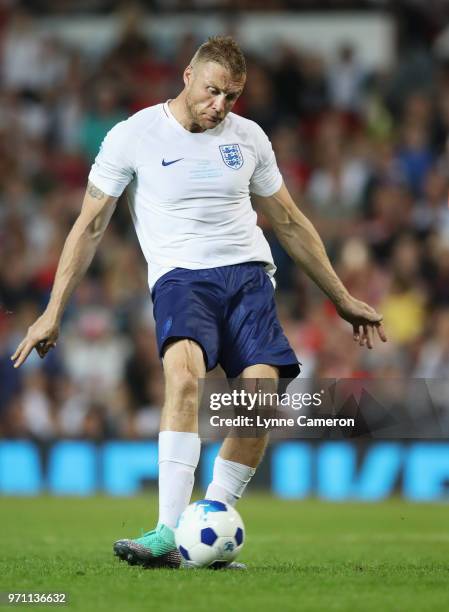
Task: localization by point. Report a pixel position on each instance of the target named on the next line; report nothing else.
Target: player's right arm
(77, 254)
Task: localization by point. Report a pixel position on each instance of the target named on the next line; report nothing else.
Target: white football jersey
(189, 193)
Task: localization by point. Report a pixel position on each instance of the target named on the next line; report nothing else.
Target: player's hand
(42, 336)
(365, 321)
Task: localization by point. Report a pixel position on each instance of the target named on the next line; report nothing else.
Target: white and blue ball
(209, 534)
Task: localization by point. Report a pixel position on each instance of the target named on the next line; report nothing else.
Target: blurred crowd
(363, 153)
(76, 7)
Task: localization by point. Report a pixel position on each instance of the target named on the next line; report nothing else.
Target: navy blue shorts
(229, 311)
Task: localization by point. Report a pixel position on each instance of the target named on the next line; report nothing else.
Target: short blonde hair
(224, 51)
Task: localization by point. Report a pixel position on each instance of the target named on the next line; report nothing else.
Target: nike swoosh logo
(169, 163)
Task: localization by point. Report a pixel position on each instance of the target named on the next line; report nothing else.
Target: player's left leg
(237, 461)
(251, 337)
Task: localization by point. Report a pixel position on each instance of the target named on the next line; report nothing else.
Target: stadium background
(356, 103)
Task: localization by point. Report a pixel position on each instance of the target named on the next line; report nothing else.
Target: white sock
(179, 453)
(229, 481)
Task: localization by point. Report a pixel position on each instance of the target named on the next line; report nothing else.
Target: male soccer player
(190, 166)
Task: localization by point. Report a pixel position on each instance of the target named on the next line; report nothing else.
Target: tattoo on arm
(94, 191)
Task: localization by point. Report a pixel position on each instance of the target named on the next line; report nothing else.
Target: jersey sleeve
(266, 178)
(114, 165)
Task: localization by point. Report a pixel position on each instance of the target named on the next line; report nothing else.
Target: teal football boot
(154, 548)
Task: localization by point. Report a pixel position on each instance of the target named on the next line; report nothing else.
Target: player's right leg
(179, 451)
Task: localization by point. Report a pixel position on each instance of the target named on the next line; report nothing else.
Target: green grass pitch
(306, 556)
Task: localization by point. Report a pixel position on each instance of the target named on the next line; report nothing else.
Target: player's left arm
(302, 242)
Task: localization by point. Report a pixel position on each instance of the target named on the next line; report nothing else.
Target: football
(209, 534)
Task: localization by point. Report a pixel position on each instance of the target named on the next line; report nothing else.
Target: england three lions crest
(232, 156)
